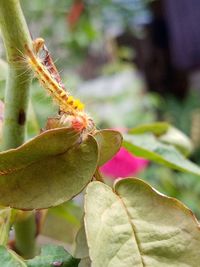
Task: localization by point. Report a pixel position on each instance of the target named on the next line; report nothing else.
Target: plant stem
(25, 232)
(98, 176)
(15, 35)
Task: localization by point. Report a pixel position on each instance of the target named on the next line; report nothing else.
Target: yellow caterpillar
(66, 102)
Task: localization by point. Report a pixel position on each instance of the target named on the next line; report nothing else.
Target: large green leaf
(9, 258)
(134, 225)
(149, 147)
(109, 142)
(51, 256)
(47, 171)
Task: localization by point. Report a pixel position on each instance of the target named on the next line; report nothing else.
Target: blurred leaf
(166, 134)
(9, 258)
(109, 143)
(66, 211)
(147, 146)
(48, 170)
(157, 128)
(52, 255)
(3, 70)
(178, 139)
(5, 221)
(81, 248)
(134, 225)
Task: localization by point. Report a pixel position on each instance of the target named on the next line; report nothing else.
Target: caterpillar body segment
(66, 102)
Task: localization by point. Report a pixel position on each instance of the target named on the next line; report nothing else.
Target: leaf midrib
(133, 228)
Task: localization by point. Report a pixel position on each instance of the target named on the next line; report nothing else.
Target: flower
(123, 164)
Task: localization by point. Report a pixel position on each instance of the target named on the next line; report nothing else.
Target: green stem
(25, 233)
(15, 35)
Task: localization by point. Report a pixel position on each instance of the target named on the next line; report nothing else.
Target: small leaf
(134, 225)
(157, 128)
(9, 258)
(47, 171)
(147, 146)
(53, 256)
(5, 221)
(109, 143)
(81, 248)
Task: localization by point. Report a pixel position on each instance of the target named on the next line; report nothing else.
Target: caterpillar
(49, 80)
(72, 114)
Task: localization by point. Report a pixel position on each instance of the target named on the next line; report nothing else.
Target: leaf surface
(134, 225)
(47, 171)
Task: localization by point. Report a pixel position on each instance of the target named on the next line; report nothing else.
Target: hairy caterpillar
(66, 102)
(72, 114)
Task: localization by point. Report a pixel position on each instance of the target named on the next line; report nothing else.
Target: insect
(47, 78)
(71, 110)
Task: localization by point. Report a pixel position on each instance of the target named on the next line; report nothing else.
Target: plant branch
(15, 35)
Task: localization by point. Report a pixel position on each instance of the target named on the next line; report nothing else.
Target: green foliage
(130, 224)
(148, 146)
(134, 225)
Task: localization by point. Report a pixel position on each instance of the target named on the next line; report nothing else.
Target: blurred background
(131, 62)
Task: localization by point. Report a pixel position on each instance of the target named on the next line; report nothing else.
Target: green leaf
(68, 211)
(177, 138)
(149, 147)
(109, 143)
(157, 128)
(81, 248)
(51, 256)
(167, 134)
(9, 258)
(47, 171)
(134, 225)
(5, 221)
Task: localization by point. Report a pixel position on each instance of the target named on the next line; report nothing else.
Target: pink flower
(123, 164)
